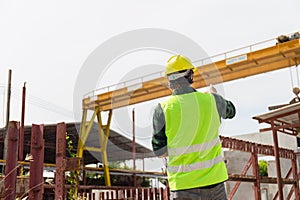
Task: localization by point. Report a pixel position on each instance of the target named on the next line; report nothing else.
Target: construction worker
(185, 128)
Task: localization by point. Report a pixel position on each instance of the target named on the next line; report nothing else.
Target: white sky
(45, 43)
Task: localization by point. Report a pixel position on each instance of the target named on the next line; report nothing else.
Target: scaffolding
(285, 120)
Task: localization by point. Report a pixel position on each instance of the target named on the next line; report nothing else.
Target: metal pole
(36, 180)
(60, 155)
(133, 147)
(21, 144)
(277, 161)
(11, 163)
(255, 171)
(7, 116)
(295, 176)
(8, 99)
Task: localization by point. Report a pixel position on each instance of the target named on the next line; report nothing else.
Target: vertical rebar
(37, 165)
(295, 176)
(60, 155)
(21, 138)
(133, 147)
(11, 163)
(8, 98)
(7, 116)
(277, 161)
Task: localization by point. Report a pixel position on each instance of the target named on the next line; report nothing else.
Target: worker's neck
(183, 90)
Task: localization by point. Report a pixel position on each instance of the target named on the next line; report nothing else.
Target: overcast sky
(45, 43)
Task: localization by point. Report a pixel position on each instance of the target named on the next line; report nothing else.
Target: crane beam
(275, 57)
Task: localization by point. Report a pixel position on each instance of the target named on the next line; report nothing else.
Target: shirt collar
(183, 90)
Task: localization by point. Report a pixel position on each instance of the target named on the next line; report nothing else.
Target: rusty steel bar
(139, 193)
(238, 183)
(277, 161)
(11, 162)
(246, 146)
(60, 155)
(8, 98)
(295, 176)
(133, 148)
(156, 194)
(150, 194)
(37, 165)
(7, 115)
(21, 138)
(290, 194)
(255, 171)
(168, 193)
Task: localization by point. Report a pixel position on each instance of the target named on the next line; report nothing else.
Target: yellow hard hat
(178, 63)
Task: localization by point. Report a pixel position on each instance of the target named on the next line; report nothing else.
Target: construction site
(86, 159)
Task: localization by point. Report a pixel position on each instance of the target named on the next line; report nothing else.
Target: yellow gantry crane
(273, 57)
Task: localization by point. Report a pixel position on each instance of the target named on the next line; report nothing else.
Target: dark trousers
(215, 192)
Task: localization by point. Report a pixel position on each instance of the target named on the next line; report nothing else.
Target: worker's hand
(212, 89)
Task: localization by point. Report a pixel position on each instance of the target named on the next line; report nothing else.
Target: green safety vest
(194, 148)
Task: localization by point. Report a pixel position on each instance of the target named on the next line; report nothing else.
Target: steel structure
(66, 164)
(285, 120)
(273, 57)
(37, 165)
(60, 156)
(258, 149)
(11, 165)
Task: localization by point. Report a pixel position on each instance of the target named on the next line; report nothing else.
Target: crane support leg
(103, 130)
(85, 129)
(82, 130)
(103, 135)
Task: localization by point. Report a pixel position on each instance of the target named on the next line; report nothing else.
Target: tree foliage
(263, 168)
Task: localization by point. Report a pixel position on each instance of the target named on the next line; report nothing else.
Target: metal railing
(200, 62)
(139, 193)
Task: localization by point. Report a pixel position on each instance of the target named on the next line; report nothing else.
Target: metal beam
(37, 165)
(12, 158)
(277, 161)
(80, 146)
(246, 146)
(238, 183)
(255, 172)
(256, 62)
(103, 143)
(60, 156)
(104, 130)
(295, 176)
(21, 138)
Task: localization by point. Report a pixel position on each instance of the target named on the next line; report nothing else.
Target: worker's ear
(190, 76)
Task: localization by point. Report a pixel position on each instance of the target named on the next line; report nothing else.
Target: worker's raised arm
(226, 108)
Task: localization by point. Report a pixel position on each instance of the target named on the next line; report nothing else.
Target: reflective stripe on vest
(194, 148)
(195, 166)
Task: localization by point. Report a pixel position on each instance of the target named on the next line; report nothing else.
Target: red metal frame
(288, 128)
(21, 138)
(62, 164)
(255, 149)
(11, 162)
(238, 183)
(60, 156)
(37, 165)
